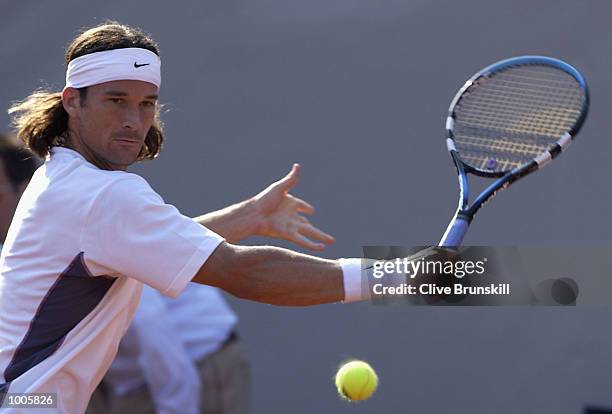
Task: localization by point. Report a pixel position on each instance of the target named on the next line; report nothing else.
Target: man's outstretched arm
(276, 276)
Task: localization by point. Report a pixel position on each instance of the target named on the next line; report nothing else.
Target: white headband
(110, 65)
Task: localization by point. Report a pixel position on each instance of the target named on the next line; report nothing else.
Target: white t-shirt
(82, 242)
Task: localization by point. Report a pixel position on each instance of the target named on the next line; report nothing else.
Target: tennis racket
(507, 121)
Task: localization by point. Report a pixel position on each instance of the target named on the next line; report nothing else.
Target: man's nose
(131, 119)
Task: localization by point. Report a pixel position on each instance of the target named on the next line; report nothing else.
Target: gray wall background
(357, 92)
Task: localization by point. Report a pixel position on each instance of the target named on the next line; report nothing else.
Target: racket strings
(510, 100)
(540, 75)
(553, 122)
(516, 83)
(478, 151)
(491, 96)
(528, 149)
(548, 125)
(506, 119)
(481, 161)
(527, 114)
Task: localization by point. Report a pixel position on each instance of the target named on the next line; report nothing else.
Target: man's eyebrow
(119, 93)
(115, 93)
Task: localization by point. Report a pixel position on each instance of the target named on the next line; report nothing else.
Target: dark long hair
(41, 120)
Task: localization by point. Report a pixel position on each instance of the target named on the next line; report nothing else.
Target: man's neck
(75, 143)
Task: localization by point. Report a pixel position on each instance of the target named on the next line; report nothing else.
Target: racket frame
(453, 236)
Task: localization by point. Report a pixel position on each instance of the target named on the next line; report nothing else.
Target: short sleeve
(131, 232)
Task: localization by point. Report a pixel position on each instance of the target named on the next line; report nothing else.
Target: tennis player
(87, 234)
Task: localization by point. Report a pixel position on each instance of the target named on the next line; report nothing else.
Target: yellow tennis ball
(356, 380)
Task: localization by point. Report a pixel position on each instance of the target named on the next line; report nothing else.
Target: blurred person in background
(17, 165)
(179, 356)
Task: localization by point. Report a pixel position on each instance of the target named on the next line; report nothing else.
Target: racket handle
(453, 236)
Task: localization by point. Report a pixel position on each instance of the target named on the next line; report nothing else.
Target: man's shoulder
(68, 165)
(119, 187)
(103, 178)
(80, 186)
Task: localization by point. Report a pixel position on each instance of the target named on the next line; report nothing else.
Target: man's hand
(280, 215)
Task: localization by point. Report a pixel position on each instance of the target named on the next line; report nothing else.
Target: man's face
(109, 127)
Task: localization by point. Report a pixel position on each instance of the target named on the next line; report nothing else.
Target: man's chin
(124, 160)
(124, 163)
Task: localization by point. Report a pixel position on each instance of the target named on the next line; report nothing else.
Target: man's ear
(71, 100)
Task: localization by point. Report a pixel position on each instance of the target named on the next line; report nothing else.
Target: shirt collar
(66, 152)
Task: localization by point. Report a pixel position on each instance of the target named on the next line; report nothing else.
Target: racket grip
(453, 236)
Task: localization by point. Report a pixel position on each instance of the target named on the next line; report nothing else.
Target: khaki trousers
(225, 377)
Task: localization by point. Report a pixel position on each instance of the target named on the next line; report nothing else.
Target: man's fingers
(302, 206)
(304, 242)
(290, 180)
(314, 233)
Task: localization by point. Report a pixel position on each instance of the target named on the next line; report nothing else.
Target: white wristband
(351, 273)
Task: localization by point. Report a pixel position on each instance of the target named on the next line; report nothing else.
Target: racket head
(516, 114)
